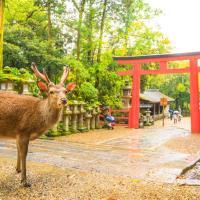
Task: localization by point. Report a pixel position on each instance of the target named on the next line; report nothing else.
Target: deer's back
(16, 113)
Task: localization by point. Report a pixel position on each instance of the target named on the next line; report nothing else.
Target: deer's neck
(51, 113)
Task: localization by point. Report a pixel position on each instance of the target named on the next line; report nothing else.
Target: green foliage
(110, 88)
(88, 92)
(181, 87)
(15, 75)
(78, 72)
(177, 86)
(84, 36)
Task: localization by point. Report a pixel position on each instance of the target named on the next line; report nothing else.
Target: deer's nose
(64, 100)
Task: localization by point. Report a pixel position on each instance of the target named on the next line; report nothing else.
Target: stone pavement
(154, 153)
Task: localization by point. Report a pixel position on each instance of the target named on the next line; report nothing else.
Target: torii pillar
(135, 102)
(136, 72)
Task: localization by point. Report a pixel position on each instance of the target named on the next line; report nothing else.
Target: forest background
(85, 34)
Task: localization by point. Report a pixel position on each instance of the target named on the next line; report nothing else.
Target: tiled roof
(154, 96)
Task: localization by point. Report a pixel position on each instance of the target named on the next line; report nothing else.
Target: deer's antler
(46, 76)
(65, 74)
(40, 75)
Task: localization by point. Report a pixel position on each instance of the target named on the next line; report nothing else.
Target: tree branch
(75, 4)
(30, 14)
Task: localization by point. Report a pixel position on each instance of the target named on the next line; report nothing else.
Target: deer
(26, 118)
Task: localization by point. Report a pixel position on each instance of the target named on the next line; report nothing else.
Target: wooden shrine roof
(154, 95)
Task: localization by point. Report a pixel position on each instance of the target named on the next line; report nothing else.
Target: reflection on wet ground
(154, 153)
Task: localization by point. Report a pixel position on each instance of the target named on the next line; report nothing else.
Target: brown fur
(25, 115)
(25, 118)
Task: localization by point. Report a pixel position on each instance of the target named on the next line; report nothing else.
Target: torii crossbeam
(163, 60)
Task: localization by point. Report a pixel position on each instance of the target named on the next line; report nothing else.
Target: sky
(180, 21)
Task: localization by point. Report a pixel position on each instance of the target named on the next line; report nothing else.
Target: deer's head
(56, 93)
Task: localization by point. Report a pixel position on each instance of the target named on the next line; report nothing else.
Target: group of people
(175, 115)
(109, 120)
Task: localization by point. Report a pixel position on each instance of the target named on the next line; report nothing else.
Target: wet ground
(153, 153)
(103, 158)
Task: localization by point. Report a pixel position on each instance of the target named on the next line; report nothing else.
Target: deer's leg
(18, 168)
(23, 148)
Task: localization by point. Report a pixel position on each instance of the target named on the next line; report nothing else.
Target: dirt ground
(55, 183)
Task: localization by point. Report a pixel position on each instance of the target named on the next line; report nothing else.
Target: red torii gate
(163, 60)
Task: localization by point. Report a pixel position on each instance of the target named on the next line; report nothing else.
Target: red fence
(120, 120)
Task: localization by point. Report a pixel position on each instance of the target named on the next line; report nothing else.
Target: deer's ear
(70, 87)
(42, 86)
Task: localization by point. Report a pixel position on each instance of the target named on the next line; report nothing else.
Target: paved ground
(153, 154)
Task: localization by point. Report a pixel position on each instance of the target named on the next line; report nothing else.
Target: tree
(2, 2)
(88, 92)
(27, 38)
(80, 8)
(101, 30)
(83, 34)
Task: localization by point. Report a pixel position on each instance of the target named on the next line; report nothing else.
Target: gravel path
(55, 183)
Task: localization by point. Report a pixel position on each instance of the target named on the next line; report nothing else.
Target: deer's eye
(51, 92)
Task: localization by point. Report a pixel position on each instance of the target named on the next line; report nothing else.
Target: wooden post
(163, 103)
(154, 111)
(163, 123)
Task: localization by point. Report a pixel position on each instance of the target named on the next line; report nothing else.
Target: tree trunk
(49, 27)
(90, 32)
(49, 21)
(81, 10)
(101, 31)
(2, 2)
(127, 23)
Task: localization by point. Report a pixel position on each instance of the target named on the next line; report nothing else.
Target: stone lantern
(88, 116)
(93, 119)
(3, 86)
(126, 98)
(10, 87)
(97, 120)
(82, 111)
(74, 116)
(7, 82)
(66, 115)
(148, 116)
(25, 83)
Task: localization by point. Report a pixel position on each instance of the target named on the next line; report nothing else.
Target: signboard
(163, 101)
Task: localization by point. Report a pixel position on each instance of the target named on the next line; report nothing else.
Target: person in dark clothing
(109, 119)
(171, 112)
